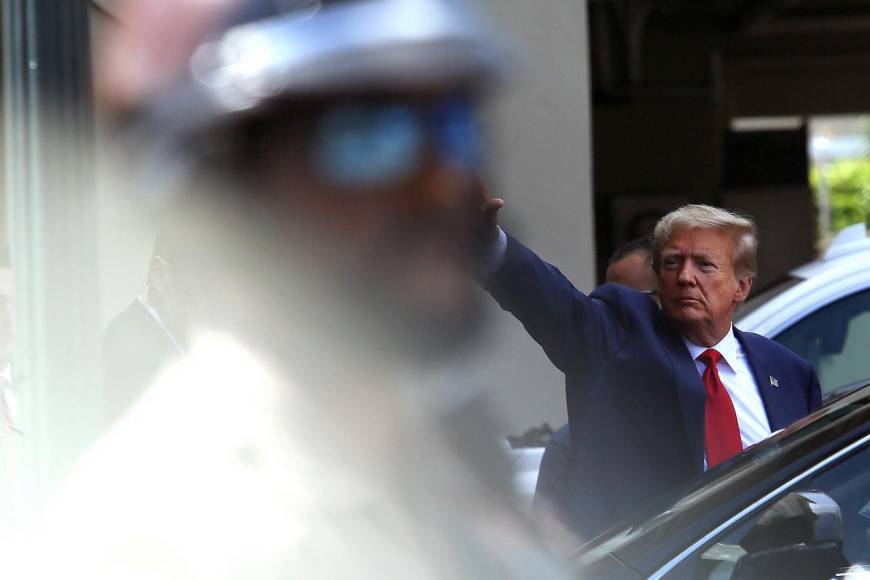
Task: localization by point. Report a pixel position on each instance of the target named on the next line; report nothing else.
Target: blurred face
(384, 190)
(698, 286)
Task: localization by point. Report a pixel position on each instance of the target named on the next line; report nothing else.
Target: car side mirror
(800, 536)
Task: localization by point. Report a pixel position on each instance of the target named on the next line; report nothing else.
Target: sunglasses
(366, 144)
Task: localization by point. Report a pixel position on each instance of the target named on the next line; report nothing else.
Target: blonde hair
(693, 216)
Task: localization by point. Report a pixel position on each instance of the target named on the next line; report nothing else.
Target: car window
(820, 528)
(835, 340)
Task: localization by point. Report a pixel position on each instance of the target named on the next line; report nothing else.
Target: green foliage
(849, 184)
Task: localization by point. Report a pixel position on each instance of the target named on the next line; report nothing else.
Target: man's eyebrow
(705, 256)
(696, 255)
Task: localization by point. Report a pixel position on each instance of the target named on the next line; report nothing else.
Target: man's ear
(158, 274)
(744, 285)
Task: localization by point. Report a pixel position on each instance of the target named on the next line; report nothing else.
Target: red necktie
(721, 432)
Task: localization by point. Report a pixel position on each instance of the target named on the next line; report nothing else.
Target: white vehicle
(820, 311)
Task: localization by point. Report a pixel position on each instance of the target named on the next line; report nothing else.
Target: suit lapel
(690, 391)
(773, 395)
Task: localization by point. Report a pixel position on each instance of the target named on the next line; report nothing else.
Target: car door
(817, 526)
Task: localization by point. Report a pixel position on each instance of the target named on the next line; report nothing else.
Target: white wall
(541, 165)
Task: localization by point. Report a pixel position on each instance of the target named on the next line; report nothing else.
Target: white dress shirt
(494, 256)
(736, 375)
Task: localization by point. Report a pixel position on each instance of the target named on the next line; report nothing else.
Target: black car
(796, 505)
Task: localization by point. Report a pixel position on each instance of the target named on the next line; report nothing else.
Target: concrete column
(541, 165)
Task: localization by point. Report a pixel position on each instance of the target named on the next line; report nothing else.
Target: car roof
(850, 246)
(844, 270)
(661, 531)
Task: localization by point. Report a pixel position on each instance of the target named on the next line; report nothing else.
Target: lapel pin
(774, 382)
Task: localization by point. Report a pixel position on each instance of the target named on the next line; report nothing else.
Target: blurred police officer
(328, 152)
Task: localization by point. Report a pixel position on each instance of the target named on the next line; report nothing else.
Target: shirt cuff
(493, 254)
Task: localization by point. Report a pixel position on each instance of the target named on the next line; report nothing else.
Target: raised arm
(571, 327)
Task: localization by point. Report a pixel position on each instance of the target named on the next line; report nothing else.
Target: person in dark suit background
(631, 266)
(152, 333)
(655, 396)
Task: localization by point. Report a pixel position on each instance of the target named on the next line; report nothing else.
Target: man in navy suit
(631, 266)
(655, 396)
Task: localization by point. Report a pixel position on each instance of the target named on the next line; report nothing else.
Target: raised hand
(489, 207)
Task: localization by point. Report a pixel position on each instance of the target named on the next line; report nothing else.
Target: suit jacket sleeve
(553, 473)
(571, 327)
